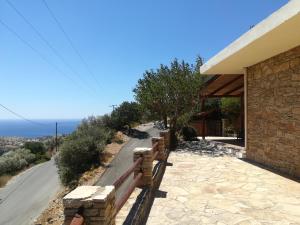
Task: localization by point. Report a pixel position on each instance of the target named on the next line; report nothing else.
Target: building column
(245, 109)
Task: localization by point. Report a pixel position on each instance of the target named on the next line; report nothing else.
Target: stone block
(166, 136)
(145, 167)
(98, 204)
(160, 148)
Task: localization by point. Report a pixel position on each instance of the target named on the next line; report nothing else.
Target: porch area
(209, 189)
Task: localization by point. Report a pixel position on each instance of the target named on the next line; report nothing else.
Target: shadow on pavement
(147, 196)
(134, 133)
(272, 170)
(160, 194)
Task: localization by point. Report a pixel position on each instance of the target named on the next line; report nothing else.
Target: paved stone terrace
(199, 189)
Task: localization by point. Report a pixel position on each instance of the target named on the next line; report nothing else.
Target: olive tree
(170, 91)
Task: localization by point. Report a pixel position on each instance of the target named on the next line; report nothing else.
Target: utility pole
(56, 143)
(113, 106)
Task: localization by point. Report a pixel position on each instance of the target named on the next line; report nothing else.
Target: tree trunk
(165, 121)
(173, 137)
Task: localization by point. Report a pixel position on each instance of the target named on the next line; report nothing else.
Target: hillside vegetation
(83, 149)
(16, 160)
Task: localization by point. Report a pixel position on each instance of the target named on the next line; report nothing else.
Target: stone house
(263, 68)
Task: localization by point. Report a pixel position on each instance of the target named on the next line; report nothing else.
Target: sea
(37, 128)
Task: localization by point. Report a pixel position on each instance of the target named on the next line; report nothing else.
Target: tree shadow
(134, 133)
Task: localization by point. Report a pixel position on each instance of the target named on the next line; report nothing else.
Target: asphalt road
(28, 194)
(125, 159)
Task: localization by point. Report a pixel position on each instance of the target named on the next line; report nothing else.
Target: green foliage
(170, 91)
(125, 115)
(50, 144)
(230, 108)
(39, 149)
(16, 160)
(81, 150)
(35, 147)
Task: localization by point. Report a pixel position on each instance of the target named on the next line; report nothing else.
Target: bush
(189, 133)
(81, 150)
(14, 161)
(35, 147)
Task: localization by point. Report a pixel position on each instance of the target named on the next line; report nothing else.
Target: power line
(47, 42)
(38, 53)
(21, 117)
(71, 43)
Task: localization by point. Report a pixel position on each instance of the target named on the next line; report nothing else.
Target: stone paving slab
(223, 190)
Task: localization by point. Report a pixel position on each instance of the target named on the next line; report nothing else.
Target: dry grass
(4, 179)
(54, 213)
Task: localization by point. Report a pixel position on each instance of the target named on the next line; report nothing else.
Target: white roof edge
(286, 12)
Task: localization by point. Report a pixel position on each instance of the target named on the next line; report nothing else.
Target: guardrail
(93, 205)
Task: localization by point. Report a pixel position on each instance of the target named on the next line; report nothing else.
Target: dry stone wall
(273, 100)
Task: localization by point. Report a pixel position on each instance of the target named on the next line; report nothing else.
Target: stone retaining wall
(273, 101)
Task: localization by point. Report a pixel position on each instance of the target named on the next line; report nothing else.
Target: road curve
(124, 159)
(28, 194)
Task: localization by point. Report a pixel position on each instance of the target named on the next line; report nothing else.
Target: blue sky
(119, 40)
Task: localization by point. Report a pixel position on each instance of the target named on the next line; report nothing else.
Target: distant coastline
(40, 127)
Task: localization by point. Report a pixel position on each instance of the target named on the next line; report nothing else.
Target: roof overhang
(276, 34)
(231, 85)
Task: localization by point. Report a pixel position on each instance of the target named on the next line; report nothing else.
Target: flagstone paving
(223, 190)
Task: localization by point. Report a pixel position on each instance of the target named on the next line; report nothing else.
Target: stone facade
(273, 114)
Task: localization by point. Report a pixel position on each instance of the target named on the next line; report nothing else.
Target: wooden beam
(235, 89)
(211, 80)
(215, 77)
(226, 84)
(221, 96)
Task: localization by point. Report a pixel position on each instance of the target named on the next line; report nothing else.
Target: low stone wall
(273, 112)
(140, 210)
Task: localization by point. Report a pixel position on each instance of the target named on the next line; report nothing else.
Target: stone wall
(273, 100)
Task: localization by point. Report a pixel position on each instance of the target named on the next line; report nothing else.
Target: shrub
(188, 133)
(81, 150)
(14, 161)
(35, 147)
